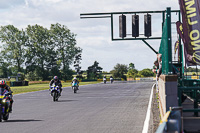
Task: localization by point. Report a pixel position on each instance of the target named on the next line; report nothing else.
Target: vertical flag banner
(179, 27)
(190, 30)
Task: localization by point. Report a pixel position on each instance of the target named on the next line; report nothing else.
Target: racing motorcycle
(4, 104)
(111, 80)
(74, 86)
(55, 92)
(104, 80)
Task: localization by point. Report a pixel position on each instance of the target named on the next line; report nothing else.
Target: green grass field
(39, 87)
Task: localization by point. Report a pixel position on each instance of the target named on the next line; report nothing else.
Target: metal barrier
(191, 88)
(147, 78)
(172, 121)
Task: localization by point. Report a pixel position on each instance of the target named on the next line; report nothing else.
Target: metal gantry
(190, 87)
(164, 13)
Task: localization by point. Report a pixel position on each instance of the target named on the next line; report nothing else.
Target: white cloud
(93, 35)
(26, 3)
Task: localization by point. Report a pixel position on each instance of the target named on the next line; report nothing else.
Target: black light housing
(147, 25)
(135, 25)
(122, 26)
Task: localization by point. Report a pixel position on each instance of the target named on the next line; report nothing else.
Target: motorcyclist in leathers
(5, 86)
(57, 82)
(76, 81)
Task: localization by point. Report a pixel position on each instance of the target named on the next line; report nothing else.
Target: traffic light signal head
(122, 26)
(147, 25)
(135, 25)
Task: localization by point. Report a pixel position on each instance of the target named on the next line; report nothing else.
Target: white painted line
(146, 122)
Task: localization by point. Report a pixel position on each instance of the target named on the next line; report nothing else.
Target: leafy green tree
(146, 73)
(32, 76)
(4, 70)
(67, 74)
(132, 72)
(94, 71)
(131, 66)
(119, 71)
(77, 66)
(194, 74)
(42, 52)
(65, 43)
(13, 45)
(39, 48)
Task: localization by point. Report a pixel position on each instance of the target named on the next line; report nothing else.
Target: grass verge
(39, 87)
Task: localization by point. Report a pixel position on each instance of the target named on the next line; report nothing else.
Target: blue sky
(93, 35)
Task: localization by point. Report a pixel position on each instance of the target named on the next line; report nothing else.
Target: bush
(146, 73)
(32, 76)
(193, 74)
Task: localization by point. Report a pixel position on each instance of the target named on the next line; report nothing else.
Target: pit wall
(167, 92)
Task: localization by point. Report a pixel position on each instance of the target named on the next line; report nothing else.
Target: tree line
(37, 52)
(129, 71)
(119, 71)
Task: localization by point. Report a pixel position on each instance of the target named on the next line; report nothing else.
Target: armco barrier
(172, 121)
(145, 78)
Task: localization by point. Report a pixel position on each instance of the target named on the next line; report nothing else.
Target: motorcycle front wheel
(75, 89)
(6, 116)
(0, 114)
(54, 94)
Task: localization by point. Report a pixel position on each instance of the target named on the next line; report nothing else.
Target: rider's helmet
(55, 78)
(2, 83)
(74, 78)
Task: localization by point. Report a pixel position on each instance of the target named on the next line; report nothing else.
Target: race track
(98, 108)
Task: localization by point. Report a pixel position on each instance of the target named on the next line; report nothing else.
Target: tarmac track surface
(98, 108)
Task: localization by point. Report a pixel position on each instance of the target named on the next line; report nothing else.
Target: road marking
(146, 122)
